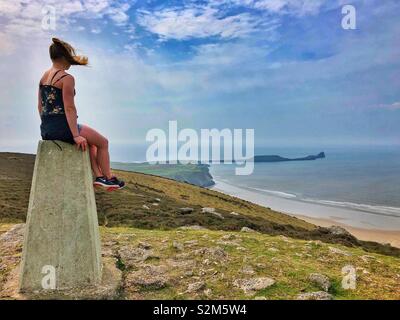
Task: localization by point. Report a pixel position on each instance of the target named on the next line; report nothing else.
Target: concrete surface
(62, 228)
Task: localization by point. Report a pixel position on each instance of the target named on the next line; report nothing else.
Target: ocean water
(365, 179)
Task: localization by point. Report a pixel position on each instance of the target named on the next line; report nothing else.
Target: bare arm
(69, 104)
(68, 90)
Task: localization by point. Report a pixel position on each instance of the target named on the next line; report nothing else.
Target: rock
(208, 210)
(321, 280)
(186, 210)
(195, 227)
(215, 252)
(339, 251)
(212, 211)
(339, 231)
(157, 199)
(217, 214)
(193, 287)
(247, 270)
(207, 292)
(15, 234)
(318, 295)
(234, 213)
(147, 279)
(367, 258)
(144, 245)
(246, 229)
(155, 204)
(229, 237)
(250, 286)
(177, 245)
(145, 207)
(130, 256)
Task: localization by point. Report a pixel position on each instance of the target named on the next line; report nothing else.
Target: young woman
(59, 117)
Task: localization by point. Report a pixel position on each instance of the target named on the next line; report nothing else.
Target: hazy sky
(286, 68)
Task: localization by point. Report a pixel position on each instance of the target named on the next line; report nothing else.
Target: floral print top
(52, 100)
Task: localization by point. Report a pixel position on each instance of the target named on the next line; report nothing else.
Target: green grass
(289, 270)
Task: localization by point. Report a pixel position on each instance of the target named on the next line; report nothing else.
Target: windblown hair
(60, 49)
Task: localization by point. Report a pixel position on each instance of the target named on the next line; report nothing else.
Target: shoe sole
(107, 187)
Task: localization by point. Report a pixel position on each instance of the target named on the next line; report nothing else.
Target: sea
(355, 185)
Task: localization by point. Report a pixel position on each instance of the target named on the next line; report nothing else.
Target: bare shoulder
(44, 77)
(68, 79)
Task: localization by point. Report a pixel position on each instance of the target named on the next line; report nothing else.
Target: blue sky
(283, 67)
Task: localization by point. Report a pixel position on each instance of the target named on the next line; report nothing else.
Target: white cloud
(24, 18)
(393, 106)
(198, 22)
(291, 7)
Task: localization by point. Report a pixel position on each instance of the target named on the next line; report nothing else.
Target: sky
(285, 68)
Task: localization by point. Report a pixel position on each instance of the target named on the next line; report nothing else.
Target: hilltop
(175, 240)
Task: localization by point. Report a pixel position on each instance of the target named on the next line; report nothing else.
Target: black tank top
(54, 124)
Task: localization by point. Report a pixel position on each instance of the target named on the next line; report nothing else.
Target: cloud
(289, 7)
(24, 18)
(392, 106)
(198, 22)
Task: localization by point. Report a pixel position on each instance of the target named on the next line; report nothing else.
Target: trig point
(62, 234)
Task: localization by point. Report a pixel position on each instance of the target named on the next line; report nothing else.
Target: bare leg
(93, 160)
(101, 143)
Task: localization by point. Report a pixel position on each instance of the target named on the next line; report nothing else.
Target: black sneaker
(110, 184)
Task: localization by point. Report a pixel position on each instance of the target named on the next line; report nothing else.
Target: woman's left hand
(81, 142)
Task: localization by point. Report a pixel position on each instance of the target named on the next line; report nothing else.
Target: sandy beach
(363, 225)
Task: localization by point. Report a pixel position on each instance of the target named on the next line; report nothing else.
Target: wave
(374, 209)
(276, 193)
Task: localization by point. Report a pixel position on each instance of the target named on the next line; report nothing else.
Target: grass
(379, 278)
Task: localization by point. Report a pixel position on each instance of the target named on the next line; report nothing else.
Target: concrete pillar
(62, 233)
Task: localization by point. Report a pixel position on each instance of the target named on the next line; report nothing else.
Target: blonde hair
(61, 49)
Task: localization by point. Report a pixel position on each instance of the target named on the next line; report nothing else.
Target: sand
(363, 225)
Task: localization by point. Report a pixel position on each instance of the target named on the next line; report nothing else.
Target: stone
(318, 295)
(320, 280)
(130, 256)
(250, 286)
(339, 251)
(62, 228)
(234, 213)
(246, 229)
(144, 245)
(186, 210)
(177, 245)
(208, 210)
(247, 270)
(149, 277)
(194, 227)
(196, 286)
(339, 231)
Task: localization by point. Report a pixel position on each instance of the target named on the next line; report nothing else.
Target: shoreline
(377, 228)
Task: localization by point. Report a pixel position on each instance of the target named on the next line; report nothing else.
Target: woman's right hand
(81, 143)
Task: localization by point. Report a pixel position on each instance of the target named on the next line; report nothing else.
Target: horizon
(284, 68)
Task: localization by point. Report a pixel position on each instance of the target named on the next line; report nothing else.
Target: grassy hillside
(151, 202)
(190, 264)
(197, 174)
